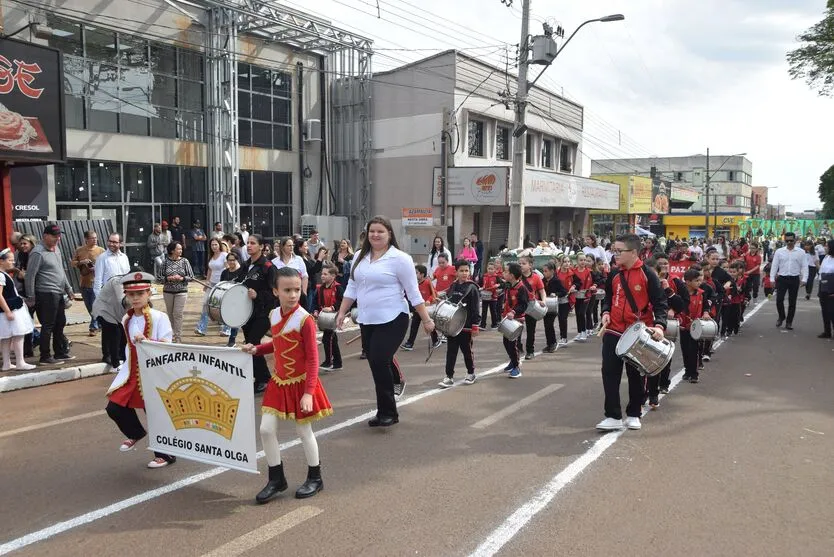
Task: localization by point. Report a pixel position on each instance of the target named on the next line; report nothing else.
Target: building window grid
(503, 143)
(476, 138)
(264, 107)
(547, 153)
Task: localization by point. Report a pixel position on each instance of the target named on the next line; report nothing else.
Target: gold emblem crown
(193, 402)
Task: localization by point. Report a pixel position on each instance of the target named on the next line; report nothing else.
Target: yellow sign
(698, 220)
(621, 181)
(639, 195)
(193, 402)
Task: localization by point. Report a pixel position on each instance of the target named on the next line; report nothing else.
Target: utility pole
(516, 234)
(444, 169)
(706, 201)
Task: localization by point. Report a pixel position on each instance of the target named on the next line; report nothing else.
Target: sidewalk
(87, 349)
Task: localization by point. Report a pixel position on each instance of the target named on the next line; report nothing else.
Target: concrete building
(758, 205)
(730, 190)
(452, 91)
(199, 109)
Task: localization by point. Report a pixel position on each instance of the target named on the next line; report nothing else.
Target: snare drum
(552, 304)
(326, 321)
(486, 295)
(536, 310)
(673, 327)
(703, 329)
(449, 318)
(638, 348)
(228, 302)
(354, 315)
(600, 295)
(510, 328)
(581, 294)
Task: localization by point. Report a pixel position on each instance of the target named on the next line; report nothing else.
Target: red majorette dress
(126, 389)
(296, 368)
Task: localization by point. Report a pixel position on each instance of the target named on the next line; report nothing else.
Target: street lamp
(706, 197)
(516, 232)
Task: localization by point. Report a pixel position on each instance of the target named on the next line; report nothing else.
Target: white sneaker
(610, 424)
(579, 338)
(563, 342)
(584, 336)
(446, 383)
(632, 422)
(127, 445)
(470, 378)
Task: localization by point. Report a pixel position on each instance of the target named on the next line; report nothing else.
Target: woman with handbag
(826, 290)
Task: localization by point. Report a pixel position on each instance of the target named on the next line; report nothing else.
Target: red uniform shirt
(694, 311)
(533, 284)
(738, 298)
(584, 276)
(491, 285)
(328, 296)
(444, 276)
(753, 263)
(515, 299)
(621, 314)
(426, 290)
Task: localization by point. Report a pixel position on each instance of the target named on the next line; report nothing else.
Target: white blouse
(380, 287)
(827, 265)
(296, 263)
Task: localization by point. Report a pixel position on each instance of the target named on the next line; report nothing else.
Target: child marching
(328, 299)
(463, 290)
(553, 287)
(489, 283)
(515, 304)
(294, 391)
(429, 295)
(535, 291)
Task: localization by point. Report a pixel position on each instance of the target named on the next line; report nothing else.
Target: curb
(48, 377)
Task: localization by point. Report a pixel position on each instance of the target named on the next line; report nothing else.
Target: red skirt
(284, 401)
(128, 395)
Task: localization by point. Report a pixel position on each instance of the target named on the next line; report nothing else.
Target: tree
(826, 191)
(814, 60)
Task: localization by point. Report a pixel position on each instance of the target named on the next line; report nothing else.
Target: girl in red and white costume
(294, 391)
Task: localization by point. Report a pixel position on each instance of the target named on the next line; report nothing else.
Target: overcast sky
(676, 77)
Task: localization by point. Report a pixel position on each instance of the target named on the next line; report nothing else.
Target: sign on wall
(473, 186)
(552, 189)
(661, 190)
(417, 216)
(30, 193)
(32, 127)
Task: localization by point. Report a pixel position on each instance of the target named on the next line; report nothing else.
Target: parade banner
(678, 268)
(200, 403)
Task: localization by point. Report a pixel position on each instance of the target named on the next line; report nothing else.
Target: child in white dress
(16, 322)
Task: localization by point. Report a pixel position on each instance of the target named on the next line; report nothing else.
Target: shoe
(199, 333)
(694, 380)
(633, 422)
(579, 338)
(91, 333)
(399, 389)
(363, 356)
(382, 422)
(509, 367)
(438, 343)
(700, 366)
(127, 445)
(610, 424)
(824, 335)
(664, 390)
(789, 326)
(563, 342)
(654, 403)
(64, 357)
(408, 347)
(327, 366)
(779, 322)
(470, 379)
(160, 462)
(550, 348)
(260, 386)
(230, 344)
(529, 356)
(515, 373)
(48, 361)
(312, 484)
(807, 296)
(446, 383)
(707, 357)
(336, 367)
(494, 327)
(770, 296)
(276, 484)
(686, 378)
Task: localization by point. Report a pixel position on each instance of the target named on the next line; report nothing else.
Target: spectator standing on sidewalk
(85, 260)
(314, 243)
(111, 263)
(109, 310)
(218, 231)
(479, 251)
(25, 246)
(813, 263)
(156, 244)
(175, 274)
(177, 233)
(46, 286)
(198, 247)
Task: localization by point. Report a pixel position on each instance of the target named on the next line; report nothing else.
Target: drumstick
(207, 285)
(354, 339)
(601, 332)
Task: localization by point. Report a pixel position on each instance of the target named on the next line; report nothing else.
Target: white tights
(16, 344)
(269, 438)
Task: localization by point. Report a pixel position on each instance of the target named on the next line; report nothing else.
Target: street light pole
(706, 202)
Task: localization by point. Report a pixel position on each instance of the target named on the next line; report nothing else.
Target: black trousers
(412, 334)
(689, 351)
(730, 319)
(253, 333)
(530, 331)
(564, 312)
(579, 310)
(332, 354)
(827, 307)
(809, 286)
(50, 309)
(612, 375)
(784, 285)
(513, 348)
(113, 342)
(128, 423)
(492, 307)
(753, 284)
(659, 381)
(592, 315)
(462, 342)
(383, 340)
(550, 329)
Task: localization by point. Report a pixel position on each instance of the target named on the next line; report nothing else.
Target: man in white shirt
(789, 271)
(111, 263)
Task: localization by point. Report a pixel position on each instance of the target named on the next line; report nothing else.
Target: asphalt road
(739, 464)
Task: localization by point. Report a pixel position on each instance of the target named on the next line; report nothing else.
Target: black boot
(276, 484)
(313, 484)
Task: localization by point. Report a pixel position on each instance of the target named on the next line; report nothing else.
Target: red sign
(678, 268)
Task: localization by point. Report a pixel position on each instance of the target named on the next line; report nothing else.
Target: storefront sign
(640, 195)
(472, 186)
(552, 189)
(31, 104)
(684, 194)
(422, 216)
(30, 193)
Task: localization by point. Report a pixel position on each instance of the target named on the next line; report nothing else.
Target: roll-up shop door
(499, 229)
(532, 227)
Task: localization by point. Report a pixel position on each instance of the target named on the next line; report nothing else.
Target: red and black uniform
(444, 277)
(489, 283)
(568, 280)
(753, 265)
(429, 295)
(466, 293)
(662, 380)
(586, 283)
(651, 304)
(330, 296)
(515, 300)
(592, 314)
(730, 317)
(533, 283)
(554, 287)
(689, 306)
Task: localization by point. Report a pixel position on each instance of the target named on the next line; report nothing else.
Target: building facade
(731, 190)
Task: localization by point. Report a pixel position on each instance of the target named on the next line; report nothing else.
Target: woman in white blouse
(438, 248)
(813, 263)
(286, 257)
(826, 290)
(381, 278)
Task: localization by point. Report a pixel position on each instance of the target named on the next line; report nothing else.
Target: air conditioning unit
(312, 130)
(331, 229)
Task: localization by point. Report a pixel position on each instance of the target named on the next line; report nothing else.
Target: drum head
(696, 329)
(629, 337)
(236, 307)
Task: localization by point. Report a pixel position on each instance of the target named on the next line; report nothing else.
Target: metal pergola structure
(347, 138)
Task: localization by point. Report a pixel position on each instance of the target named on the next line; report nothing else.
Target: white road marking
(52, 423)
(525, 513)
(103, 512)
(516, 406)
(264, 533)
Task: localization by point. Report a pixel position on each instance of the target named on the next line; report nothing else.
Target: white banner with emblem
(200, 403)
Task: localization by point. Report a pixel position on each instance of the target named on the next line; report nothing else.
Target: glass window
(566, 158)
(246, 216)
(282, 137)
(502, 143)
(262, 187)
(262, 135)
(192, 126)
(528, 150)
(164, 90)
(133, 51)
(105, 181)
(191, 64)
(132, 124)
(281, 111)
(281, 84)
(194, 185)
(476, 138)
(245, 187)
(243, 103)
(71, 181)
(166, 184)
(243, 71)
(138, 182)
(99, 44)
(283, 221)
(72, 212)
(244, 132)
(139, 223)
(103, 99)
(547, 153)
(261, 80)
(164, 122)
(66, 35)
(282, 188)
(191, 95)
(261, 109)
(112, 212)
(74, 111)
(262, 220)
(163, 59)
